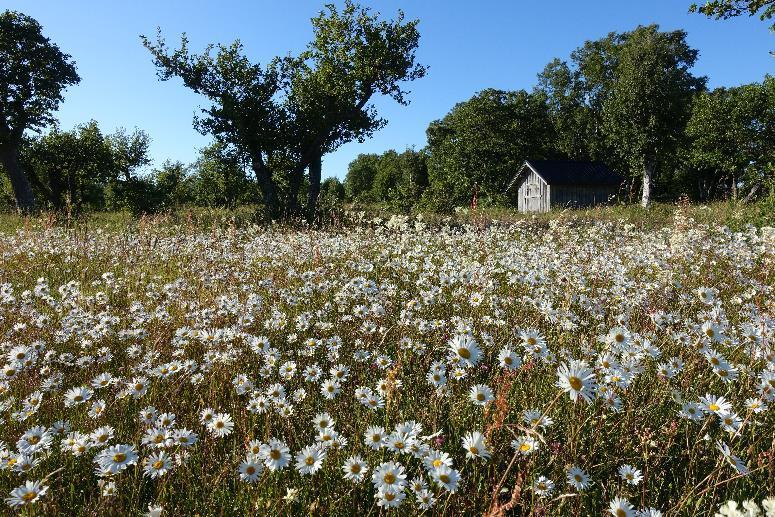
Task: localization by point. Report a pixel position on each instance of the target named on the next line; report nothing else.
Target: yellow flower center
(355, 468)
(310, 460)
(274, 454)
(389, 478)
(464, 353)
(444, 478)
(524, 447)
(250, 470)
(119, 457)
(714, 407)
(34, 440)
(575, 383)
(29, 496)
(159, 464)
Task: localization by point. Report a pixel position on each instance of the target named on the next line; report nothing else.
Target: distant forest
(629, 100)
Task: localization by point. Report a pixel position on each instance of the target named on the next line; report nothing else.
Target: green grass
(573, 276)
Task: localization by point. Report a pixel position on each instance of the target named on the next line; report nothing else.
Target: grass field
(578, 363)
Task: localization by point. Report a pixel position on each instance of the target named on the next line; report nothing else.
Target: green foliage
(76, 169)
(70, 169)
(731, 134)
(725, 9)
(172, 184)
(393, 179)
(33, 75)
(286, 115)
(360, 177)
(478, 146)
(220, 179)
(625, 99)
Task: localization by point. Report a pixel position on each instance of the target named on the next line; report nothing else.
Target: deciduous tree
(33, 76)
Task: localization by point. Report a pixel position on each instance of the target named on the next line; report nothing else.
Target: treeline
(629, 100)
(272, 123)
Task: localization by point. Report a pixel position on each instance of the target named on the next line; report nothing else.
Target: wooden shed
(545, 184)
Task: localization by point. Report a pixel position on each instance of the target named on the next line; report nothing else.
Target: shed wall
(533, 194)
(578, 196)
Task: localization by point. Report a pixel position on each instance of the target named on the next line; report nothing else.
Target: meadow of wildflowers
(388, 367)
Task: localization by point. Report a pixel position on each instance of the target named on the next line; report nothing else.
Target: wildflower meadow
(388, 367)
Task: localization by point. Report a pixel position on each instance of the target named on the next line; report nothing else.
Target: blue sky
(468, 46)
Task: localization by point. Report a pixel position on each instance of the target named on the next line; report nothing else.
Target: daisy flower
(543, 486)
(374, 437)
(221, 425)
(630, 474)
(116, 458)
(576, 379)
(323, 421)
(157, 464)
(730, 458)
(355, 469)
(26, 494)
(465, 350)
(310, 459)
(425, 499)
(480, 394)
(475, 446)
(577, 478)
(389, 475)
(206, 416)
(435, 459)
(620, 507)
(75, 396)
(712, 404)
(507, 358)
(185, 438)
(446, 477)
(389, 496)
(537, 419)
(526, 445)
(275, 454)
(250, 468)
(330, 388)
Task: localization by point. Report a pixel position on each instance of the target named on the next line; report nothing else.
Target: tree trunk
(648, 176)
(25, 198)
(315, 170)
(294, 185)
(268, 188)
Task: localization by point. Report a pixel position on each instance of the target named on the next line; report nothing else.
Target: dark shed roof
(566, 172)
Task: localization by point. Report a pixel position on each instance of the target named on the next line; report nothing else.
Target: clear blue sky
(468, 46)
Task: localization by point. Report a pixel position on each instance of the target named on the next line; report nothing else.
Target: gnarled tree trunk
(648, 177)
(22, 190)
(315, 170)
(268, 188)
(294, 185)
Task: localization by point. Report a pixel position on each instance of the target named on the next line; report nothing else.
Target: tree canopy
(33, 76)
(478, 146)
(624, 99)
(725, 9)
(287, 114)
